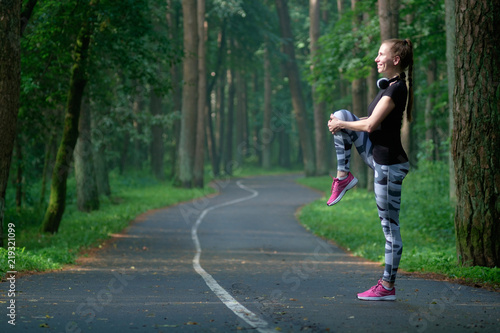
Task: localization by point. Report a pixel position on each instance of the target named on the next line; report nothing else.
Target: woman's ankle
(342, 174)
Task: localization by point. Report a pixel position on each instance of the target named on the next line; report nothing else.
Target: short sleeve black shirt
(386, 140)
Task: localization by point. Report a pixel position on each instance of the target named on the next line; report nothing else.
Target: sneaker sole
(382, 298)
(348, 187)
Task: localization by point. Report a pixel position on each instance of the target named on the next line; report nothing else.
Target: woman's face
(385, 60)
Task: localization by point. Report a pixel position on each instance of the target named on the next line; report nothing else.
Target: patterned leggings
(388, 180)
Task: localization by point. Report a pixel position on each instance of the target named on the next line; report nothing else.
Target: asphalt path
(236, 261)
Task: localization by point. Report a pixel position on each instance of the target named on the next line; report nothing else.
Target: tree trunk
(187, 145)
(140, 153)
(172, 21)
(239, 135)
(50, 150)
(157, 147)
(19, 175)
(299, 106)
(388, 11)
(101, 172)
(57, 201)
(476, 132)
(228, 153)
(10, 82)
(221, 118)
(429, 105)
(86, 187)
(202, 97)
(450, 61)
(267, 133)
(320, 129)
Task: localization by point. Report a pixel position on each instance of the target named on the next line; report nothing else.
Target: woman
(378, 141)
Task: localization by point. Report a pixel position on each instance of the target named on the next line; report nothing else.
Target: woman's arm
(369, 124)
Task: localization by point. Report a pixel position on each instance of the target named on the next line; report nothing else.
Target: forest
(189, 91)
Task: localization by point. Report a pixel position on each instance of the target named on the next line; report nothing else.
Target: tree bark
(199, 162)
(19, 176)
(320, 130)
(101, 172)
(86, 187)
(267, 133)
(429, 105)
(172, 21)
(221, 118)
(299, 106)
(57, 201)
(239, 134)
(187, 145)
(228, 153)
(157, 146)
(388, 11)
(476, 132)
(10, 83)
(50, 151)
(450, 61)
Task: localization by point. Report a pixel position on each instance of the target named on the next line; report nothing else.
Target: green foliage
(346, 49)
(426, 219)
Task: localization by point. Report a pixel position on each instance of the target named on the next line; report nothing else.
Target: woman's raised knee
(342, 115)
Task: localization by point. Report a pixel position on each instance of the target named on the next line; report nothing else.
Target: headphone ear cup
(383, 83)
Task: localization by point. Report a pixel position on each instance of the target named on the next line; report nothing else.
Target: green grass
(132, 195)
(426, 221)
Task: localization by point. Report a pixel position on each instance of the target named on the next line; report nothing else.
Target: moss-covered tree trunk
(57, 201)
(476, 132)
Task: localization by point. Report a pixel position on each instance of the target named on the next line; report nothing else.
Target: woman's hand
(334, 124)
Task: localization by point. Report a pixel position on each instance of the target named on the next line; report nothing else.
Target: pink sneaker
(339, 187)
(378, 293)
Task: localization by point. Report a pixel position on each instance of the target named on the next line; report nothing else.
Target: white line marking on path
(248, 316)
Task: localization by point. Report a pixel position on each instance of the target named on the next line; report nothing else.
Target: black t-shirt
(386, 140)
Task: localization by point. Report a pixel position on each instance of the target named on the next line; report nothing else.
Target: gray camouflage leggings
(388, 181)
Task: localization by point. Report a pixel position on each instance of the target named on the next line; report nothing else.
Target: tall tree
(172, 21)
(10, 83)
(266, 125)
(476, 132)
(57, 202)
(299, 105)
(450, 62)
(318, 106)
(202, 97)
(389, 18)
(86, 187)
(359, 106)
(157, 146)
(227, 159)
(187, 143)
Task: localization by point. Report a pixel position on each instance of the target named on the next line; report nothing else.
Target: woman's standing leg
(388, 183)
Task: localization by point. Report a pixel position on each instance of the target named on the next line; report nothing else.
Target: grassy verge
(426, 219)
(79, 231)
